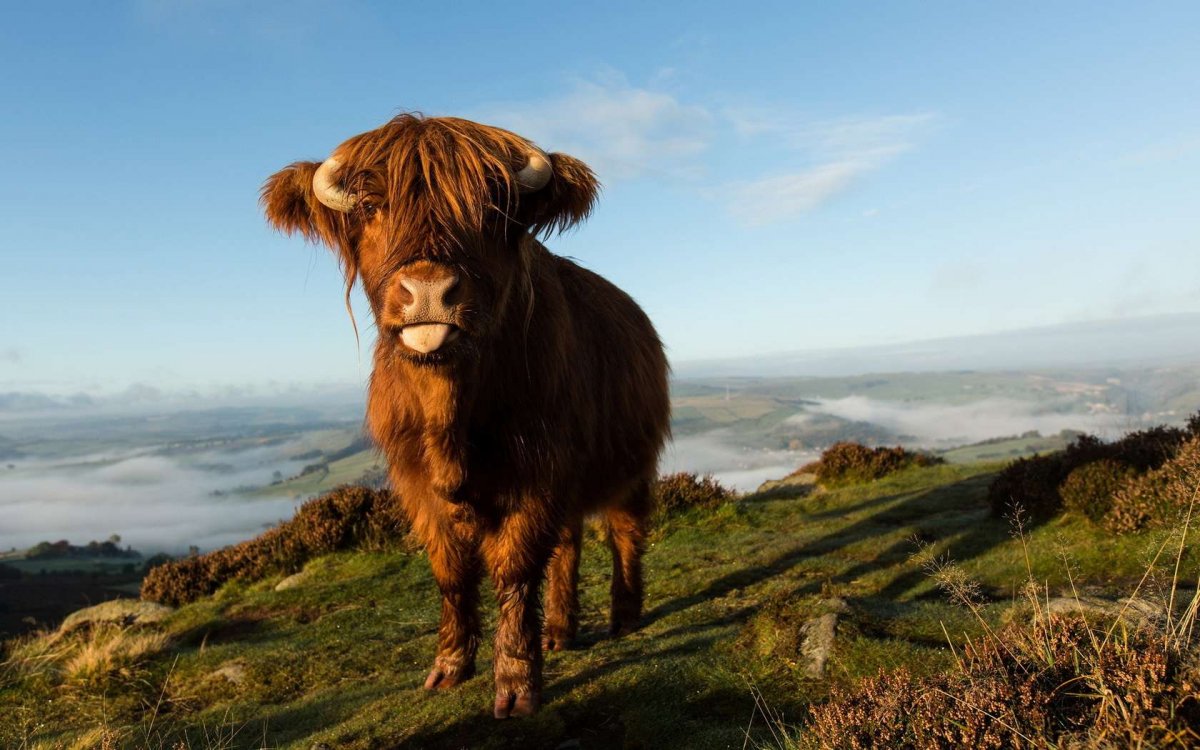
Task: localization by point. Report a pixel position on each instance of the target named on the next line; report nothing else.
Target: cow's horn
(536, 173)
(327, 190)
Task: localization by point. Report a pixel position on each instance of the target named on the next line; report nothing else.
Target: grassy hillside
(336, 659)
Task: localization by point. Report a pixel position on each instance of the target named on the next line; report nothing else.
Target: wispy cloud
(835, 154)
(621, 130)
(11, 355)
(1165, 151)
(627, 131)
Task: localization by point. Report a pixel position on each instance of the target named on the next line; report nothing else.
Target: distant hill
(1131, 342)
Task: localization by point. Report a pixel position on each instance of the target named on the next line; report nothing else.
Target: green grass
(343, 471)
(339, 659)
(1005, 450)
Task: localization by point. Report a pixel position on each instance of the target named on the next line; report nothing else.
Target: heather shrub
(1039, 685)
(347, 517)
(674, 493)
(1089, 489)
(1160, 497)
(1035, 483)
(848, 462)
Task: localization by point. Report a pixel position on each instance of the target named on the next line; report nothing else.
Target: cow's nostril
(427, 299)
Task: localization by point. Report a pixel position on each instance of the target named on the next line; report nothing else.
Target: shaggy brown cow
(513, 392)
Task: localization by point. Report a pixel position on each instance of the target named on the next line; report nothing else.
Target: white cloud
(784, 196)
(625, 131)
(622, 131)
(837, 153)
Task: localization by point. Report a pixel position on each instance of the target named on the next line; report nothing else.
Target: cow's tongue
(425, 337)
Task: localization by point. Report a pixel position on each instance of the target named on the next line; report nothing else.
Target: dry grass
(108, 649)
(89, 655)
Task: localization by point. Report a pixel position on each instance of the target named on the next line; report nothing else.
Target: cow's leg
(562, 589)
(626, 539)
(457, 571)
(516, 555)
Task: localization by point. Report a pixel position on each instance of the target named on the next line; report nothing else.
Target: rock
(1133, 611)
(292, 581)
(816, 645)
(120, 611)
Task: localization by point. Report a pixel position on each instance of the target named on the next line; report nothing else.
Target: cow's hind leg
(456, 568)
(562, 590)
(627, 538)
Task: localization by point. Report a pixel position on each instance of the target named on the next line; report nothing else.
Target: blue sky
(778, 176)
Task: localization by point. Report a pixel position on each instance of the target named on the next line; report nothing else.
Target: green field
(337, 660)
(347, 470)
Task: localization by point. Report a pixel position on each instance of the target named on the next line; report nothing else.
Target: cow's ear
(567, 199)
(288, 201)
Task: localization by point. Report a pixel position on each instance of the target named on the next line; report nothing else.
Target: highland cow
(513, 392)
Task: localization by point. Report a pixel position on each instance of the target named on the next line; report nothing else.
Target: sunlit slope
(338, 657)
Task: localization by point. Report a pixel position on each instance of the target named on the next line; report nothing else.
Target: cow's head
(432, 216)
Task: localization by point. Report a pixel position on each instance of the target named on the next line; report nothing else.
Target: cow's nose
(430, 301)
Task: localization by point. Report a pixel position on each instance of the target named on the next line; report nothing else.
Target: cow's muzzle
(427, 308)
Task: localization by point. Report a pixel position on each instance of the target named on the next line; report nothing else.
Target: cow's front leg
(516, 556)
(457, 571)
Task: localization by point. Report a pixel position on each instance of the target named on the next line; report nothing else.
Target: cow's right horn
(536, 173)
(326, 189)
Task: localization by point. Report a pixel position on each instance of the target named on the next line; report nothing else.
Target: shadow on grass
(956, 511)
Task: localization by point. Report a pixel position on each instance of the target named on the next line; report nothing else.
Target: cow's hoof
(444, 679)
(556, 640)
(513, 706)
(622, 627)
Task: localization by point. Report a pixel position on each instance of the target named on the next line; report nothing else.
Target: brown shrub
(674, 493)
(341, 519)
(849, 462)
(1039, 685)
(1159, 497)
(1035, 483)
(1089, 489)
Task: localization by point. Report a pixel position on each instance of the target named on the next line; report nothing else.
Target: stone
(817, 638)
(1134, 611)
(291, 582)
(120, 611)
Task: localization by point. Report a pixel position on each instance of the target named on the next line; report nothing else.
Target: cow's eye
(368, 207)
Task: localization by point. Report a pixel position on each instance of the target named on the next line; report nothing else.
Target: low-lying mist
(155, 501)
(737, 466)
(933, 424)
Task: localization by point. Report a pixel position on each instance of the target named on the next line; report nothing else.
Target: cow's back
(618, 364)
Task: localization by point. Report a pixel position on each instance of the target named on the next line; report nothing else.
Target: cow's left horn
(327, 191)
(536, 173)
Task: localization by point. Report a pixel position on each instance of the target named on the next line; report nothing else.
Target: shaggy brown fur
(550, 404)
